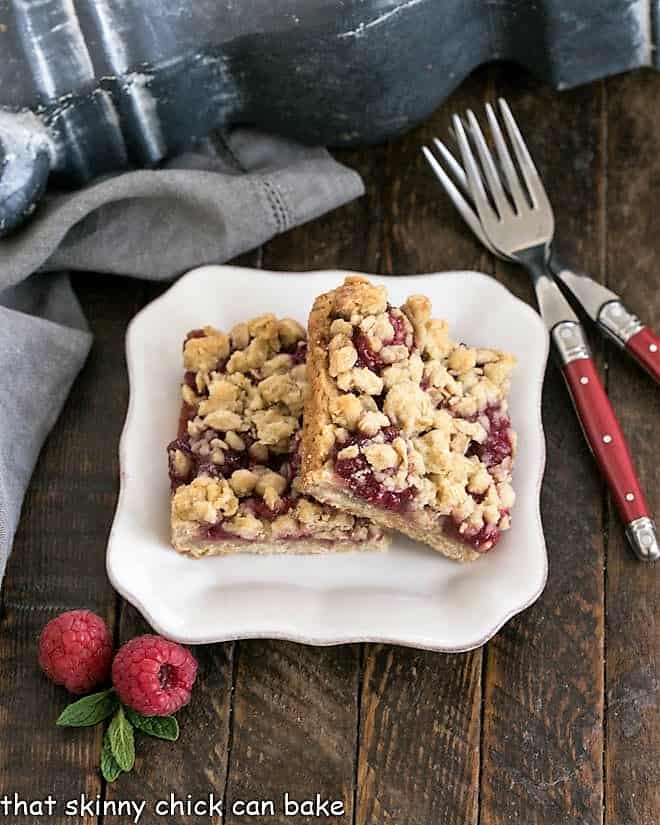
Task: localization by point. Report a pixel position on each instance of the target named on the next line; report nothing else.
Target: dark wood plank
(632, 758)
(294, 727)
(420, 712)
(543, 689)
(59, 563)
(197, 762)
(419, 737)
(337, 240)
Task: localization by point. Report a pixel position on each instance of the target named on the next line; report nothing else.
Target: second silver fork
(513, 216)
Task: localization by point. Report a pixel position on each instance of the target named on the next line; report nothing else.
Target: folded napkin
(235, 192)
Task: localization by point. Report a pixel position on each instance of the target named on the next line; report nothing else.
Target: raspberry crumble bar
(405, 427)
(235, 463)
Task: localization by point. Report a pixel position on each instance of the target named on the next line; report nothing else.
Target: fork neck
(558, 316)
(536, 259)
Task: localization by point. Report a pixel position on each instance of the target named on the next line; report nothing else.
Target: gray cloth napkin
(235, 192)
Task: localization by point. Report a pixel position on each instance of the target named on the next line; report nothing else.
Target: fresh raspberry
(75, 650)
(154, 676)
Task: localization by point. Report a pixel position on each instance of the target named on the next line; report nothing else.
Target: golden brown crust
(186, 540)
(432, 396)
(316, 419)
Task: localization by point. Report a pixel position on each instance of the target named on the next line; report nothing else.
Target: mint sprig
(89, 710)
(109, 766)
(162, 727)
(118, 751)
(122, 742)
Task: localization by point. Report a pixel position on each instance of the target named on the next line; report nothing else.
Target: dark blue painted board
(94, 87)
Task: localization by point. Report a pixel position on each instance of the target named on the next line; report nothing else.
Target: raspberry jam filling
(286, 465)
(217, 531)
(201, 465)
(366, 356)
(497, 445)
(294, 458)
(262, 511)
(360, 478)
(194, 333)
(187, 414)
(233, 461)
(399, 327)
(176, 480)
(299, 354)
(481, 540)
(259, 508)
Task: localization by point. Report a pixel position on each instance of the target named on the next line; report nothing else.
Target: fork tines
(490, 189)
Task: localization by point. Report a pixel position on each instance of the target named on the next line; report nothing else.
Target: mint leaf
(109, 767)
(89, 710)
(122, 744)
(162, 727)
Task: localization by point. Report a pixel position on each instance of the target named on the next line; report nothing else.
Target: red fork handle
(602, 430)
(603, 433)
(644, 347)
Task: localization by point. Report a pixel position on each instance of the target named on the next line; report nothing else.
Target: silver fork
(602, 305)
(513, 217)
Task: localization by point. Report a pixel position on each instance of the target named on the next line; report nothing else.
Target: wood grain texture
(294, 727)
(418, 759)
(336, 240)
(632, 758)
(58, 563)
(419, 737)
(196, 765)
(543, 691)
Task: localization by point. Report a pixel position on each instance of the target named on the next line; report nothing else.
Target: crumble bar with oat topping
(404, 425)
(234, 465)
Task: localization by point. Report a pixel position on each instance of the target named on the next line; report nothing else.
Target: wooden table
(557, 719)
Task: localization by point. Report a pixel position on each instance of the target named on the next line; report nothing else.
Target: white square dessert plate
(409, 595)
